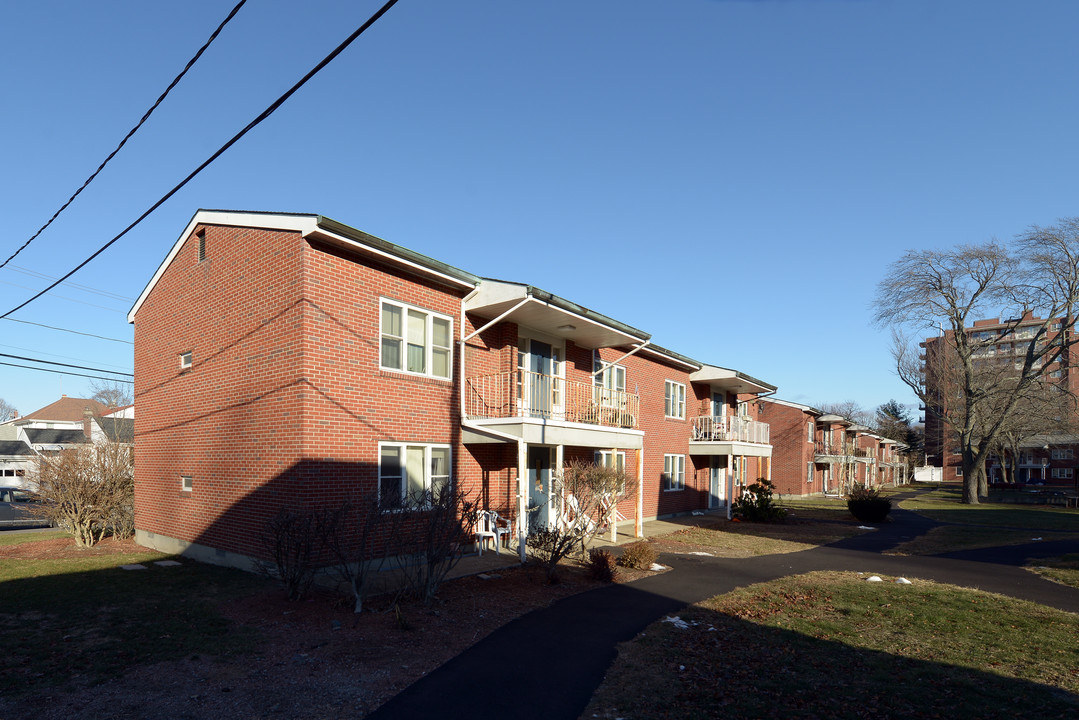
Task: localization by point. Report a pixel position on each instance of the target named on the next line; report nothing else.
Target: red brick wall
(791, 450)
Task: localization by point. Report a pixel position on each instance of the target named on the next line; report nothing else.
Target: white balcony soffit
(729, 447)
(729, 380)
(550, 314)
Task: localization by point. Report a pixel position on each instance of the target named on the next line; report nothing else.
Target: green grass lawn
(746, 539)
(831, 645)
(944, 505)
(85, 619)
(1064, 569)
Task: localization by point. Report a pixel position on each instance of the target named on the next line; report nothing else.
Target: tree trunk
(970, 478)
(983, 483)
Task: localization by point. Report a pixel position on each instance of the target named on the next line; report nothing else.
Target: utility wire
(235, 138)
(60, 372)
(132, 131)
(63, 357)
(77, 286)
(60, 364)
(73, 332)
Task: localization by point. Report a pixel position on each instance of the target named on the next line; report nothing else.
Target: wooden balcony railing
(529, 394)
(731, 428)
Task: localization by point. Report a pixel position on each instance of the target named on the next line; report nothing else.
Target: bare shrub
(426, 537)
(88, 491)
(353, 555)
(585, 494)
(601, 565)
(638, 556)
(292, 541)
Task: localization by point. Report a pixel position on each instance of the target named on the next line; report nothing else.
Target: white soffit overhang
(730, 380)
(493, 298)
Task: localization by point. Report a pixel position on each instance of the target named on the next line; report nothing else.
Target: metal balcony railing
(527, 394)
(712, 428)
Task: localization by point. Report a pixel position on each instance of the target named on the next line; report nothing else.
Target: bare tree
(585, 499)
(7, 410)
(111, 393)
(849, 409)
(88, 491)
(949, 289)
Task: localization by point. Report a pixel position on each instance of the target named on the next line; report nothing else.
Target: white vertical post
(522, 498)
(730, 484)
(638, 520)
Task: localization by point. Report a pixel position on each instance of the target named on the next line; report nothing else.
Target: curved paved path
(547, 664)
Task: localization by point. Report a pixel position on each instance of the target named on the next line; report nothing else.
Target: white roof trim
(804, 408)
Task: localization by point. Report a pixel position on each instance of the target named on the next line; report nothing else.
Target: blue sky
(733, 177)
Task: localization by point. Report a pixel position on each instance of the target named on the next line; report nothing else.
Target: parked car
(15, 504)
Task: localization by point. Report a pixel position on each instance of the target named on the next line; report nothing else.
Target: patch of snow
(677, 622)
(866, 527)
(1035, 539)
(902, 581)
(699, 552)
(136, 566)
(697, 512)
(656, 567)
(873, 578)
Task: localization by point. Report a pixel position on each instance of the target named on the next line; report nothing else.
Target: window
(809, 472)
(185, 360)
(811, 430)
(202, 244)
(187, 483)
(613, 459)
(674, 399)
(674, 472)
(610, 382)
(1063, 453)
(407, 472)
(415, 341)
(1062, 473)
(958, 471)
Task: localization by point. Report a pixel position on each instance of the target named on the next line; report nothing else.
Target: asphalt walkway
(547, 664)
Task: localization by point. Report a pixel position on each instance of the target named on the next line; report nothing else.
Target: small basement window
(187, 483)
(185, 360)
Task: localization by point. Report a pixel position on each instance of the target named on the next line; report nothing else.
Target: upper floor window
(610, 381)
(674, 399)
(811, 430)
(415, 341)
(1062, 453)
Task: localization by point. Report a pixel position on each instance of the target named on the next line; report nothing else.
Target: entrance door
(539, 387)
(717, 482)
(539, 488)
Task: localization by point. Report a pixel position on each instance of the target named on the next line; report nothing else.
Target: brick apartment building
(1044, 459)
(288, 360)
(815, 452)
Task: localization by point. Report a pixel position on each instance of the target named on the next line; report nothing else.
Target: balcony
(730, 435)
(551, 410)
(846, 451)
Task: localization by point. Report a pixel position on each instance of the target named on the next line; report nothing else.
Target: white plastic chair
(484, 530)
(498, 529)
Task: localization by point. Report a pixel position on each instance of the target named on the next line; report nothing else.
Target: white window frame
(811, 430)
(615, 459)
(674, 400)
(610, 382)
(428, 476)
(1062, 453)
(809, 471)
(674, 473)
(186, 360)
(1061, 473)
(187, 483)
(402, 340)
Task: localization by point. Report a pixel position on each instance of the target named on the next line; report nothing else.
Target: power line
(73, 332)
(235, 138)
(59, 372)
(68, 299)
(60, 364)
(9, 346)
(132, 131)
(77, 286)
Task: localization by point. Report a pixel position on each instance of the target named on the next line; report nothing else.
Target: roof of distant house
(120, 430)
(11, 448)
(66, 409)
(52, 436)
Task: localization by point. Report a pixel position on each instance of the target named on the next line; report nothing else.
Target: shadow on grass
(86, 626)
(723, 667)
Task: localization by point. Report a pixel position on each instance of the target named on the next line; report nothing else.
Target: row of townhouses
(291, 361)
